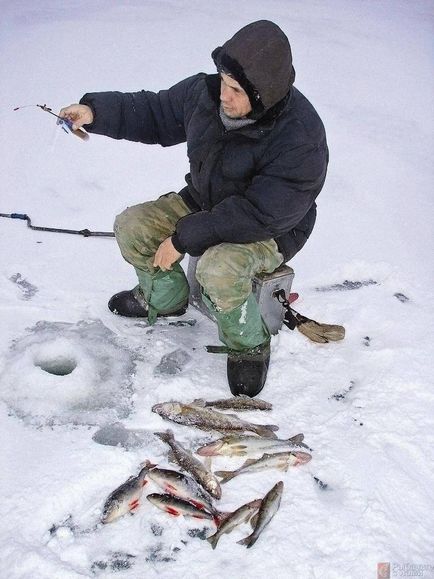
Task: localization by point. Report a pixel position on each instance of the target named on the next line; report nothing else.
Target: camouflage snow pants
(224, 271)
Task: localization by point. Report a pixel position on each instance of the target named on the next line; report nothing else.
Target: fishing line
(65, 124)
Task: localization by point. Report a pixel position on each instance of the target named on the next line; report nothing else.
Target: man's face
(233, 97)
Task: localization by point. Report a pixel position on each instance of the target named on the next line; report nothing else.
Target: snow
(69, 373)
(365, 404)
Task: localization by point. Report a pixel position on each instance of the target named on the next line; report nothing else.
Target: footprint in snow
(28, 289)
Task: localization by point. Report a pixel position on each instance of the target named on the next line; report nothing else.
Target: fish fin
(213, 539)
(172, 511)
(266, 430)
(225, 475)
(239, 452)
(198, 402)
(170, 489)
(197, 504)
(302, 457)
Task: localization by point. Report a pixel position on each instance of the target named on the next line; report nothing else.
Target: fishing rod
(66, 125)
(60, 121)
(83, 232)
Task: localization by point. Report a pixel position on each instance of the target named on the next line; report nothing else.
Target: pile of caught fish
(192, 494)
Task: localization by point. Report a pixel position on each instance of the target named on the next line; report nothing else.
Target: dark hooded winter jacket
(245, 185)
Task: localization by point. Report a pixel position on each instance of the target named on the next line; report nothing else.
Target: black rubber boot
(132, 304)
(247, 371)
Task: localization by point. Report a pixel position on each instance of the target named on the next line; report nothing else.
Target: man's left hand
(166, 255)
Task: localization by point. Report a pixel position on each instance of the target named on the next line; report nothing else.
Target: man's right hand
(79, 115)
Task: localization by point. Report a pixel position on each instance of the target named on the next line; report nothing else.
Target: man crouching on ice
(258, 158)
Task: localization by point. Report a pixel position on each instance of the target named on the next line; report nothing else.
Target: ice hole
(59, 366)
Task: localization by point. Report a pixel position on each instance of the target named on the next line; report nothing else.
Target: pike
(126, 497)
(269, 506)
(207, 419)
(242, 515)
(183, 487)
(176, 507)
(191, 464)
(280, 460)
(240, 445)
(241, 402)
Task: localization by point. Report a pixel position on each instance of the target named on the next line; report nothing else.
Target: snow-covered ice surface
(68, 373)
(68, 367)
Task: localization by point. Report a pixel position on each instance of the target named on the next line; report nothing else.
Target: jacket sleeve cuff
(195, 233)
(177, 244)
(85, 101)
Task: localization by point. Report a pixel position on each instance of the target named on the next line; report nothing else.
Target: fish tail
(248, 541)
(252, 542)
(266, 430)
(165, 436)
(213, 540)
(226, 475)
(297, 440)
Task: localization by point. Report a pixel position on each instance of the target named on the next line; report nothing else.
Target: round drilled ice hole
(59, 366)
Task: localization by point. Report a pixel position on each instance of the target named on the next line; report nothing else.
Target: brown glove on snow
(320, 333)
